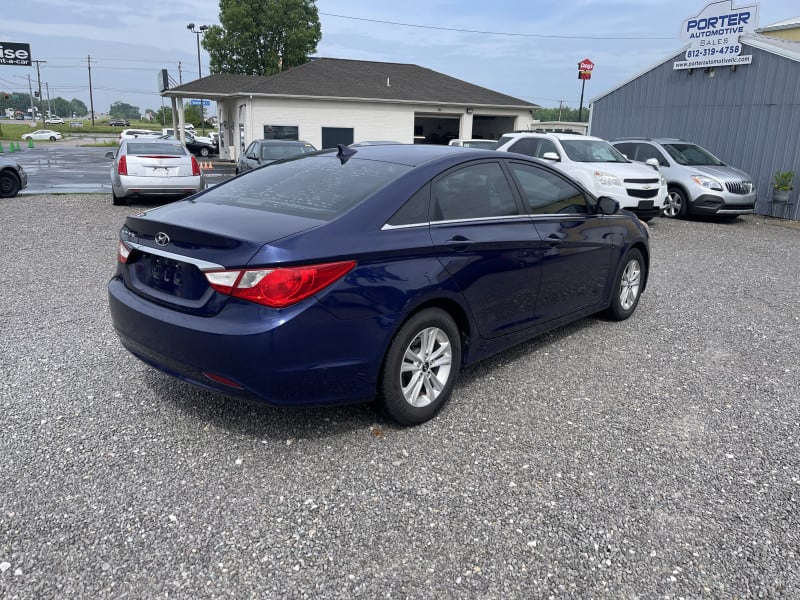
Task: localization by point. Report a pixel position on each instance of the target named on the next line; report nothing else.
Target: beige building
(333, 101)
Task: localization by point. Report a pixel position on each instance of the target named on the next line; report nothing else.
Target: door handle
(458, 242)
(554, 239)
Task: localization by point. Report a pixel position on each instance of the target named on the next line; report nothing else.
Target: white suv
(600, 167)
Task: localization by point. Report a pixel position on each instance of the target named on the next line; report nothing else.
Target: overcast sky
(530, 48)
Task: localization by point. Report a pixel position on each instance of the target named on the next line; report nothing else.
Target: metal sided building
(747, 115)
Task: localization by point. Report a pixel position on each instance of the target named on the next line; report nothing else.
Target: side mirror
(607, 206)
(551, 156)
(109, 155)
(653, 162)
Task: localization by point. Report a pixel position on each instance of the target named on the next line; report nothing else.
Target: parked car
(371, 272)
(130, 134)
(54, 121)
(42, 134)
(598, 166)
(698, 182)
(151, 167)
(119, 123)
(484, 144)
(12, 177)
(264, 152)
(199, 146)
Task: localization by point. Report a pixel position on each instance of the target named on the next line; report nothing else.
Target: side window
(646, 151)
(414, 211)
(546, 146)
(251, 149)
(525, 146)
(474, 192)
(628, 149)
(546, 193)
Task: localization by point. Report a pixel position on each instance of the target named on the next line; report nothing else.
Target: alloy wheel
(629, 286)
(426, 367)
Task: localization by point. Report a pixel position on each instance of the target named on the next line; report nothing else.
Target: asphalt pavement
(654, 458)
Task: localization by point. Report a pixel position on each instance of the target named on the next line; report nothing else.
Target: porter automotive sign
(15, 54)
(713, 35)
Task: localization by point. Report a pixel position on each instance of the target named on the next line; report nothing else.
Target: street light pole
(198, 32)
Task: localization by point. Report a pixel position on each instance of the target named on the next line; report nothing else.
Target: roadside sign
(196, 102)
(585, 68)
(15, 54)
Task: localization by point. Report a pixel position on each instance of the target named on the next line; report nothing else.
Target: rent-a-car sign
(12, 53)
(713, 35)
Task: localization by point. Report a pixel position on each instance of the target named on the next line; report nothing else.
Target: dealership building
(742, 104)
(330, 101)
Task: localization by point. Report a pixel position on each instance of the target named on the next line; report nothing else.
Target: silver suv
(699, 183)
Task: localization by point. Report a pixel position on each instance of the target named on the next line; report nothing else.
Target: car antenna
(344, 153)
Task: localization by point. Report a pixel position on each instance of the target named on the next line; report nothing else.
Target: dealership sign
(15, 54)
(713, 35)
(585, 68)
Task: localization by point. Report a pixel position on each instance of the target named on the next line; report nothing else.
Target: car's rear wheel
(9, 185)
(421, 367)
(52, 138)
(676, 205)
(628, 285)
(117, 200)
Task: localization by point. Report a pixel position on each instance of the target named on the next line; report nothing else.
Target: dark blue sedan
(370, 273)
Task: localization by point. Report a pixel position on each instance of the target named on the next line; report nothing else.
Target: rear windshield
(691, 154)
(161, 148)
(592, 151)
(315, 186)
(278, 151)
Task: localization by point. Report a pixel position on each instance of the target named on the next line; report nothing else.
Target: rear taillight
(122, 165)
(195, 167)
(123, 252)
(280, 287)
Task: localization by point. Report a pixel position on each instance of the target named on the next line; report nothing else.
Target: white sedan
(42, 134)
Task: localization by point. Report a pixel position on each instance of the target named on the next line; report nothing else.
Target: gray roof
(351, 79)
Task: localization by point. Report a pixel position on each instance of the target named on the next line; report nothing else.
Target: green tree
(78, 107)
(565, 112)
(262, 37)
(121, 110)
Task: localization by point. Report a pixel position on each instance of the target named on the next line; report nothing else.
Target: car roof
(552, 134)
(414, 154)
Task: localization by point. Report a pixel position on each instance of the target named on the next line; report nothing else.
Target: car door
(488, 245)
(578, 244)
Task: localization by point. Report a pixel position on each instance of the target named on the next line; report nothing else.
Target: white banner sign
(713, 35)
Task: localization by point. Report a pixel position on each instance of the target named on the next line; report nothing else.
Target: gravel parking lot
(657, 457)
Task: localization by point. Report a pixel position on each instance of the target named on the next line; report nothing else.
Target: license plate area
(169, 277)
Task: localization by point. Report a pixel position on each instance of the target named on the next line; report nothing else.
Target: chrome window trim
(203, 265)
(388, 227)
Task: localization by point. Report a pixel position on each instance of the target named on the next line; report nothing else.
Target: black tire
(646, 219)
(118, 201)
(677, 205)
(9, 185)
(409, 395)
(204, 152)
(52, 138)
(628, 285)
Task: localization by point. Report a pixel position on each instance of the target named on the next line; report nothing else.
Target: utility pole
(30, 95)
(180, 73)
(49, 108)
(39, 79)
(91, 98)
(560, 104)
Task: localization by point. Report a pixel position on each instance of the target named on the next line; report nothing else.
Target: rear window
(317, 186)
(279, 151)
(163, 149)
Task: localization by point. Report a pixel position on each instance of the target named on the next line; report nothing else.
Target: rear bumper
(128, 185)
(302, 356)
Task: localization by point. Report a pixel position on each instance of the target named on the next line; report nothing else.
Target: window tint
(278, 151)
(546, 146)
(164, 149)
(627, 149)
(547, 193)
(527, 146)
(690, 154)
(415, 211)
(318, 187)
(592, 151)
(473, 192)
(646, 151)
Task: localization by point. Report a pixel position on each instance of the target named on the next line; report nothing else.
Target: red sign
(585, 65)
(584, 74)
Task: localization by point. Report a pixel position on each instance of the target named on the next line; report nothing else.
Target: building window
(281, 132)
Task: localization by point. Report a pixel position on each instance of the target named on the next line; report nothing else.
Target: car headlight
(606, 178)
(707, 182)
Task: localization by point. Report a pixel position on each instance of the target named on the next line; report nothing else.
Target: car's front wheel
(421, 367)
(9, 185)
(676, 205)
(628, 285)
(204, 152)
(52, 138)
(117, 200)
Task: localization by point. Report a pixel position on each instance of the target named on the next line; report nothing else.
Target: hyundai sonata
(369, 273)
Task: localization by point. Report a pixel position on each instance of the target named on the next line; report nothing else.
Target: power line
(506, 33)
